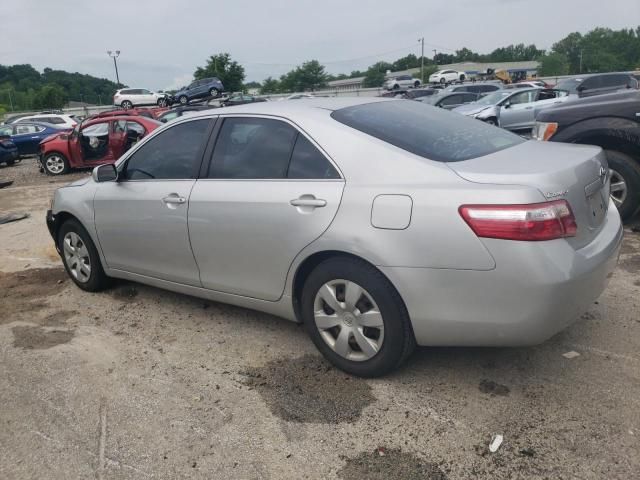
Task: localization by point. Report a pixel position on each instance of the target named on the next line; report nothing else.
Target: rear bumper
(536, 290)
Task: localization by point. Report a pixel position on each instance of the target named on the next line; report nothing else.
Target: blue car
(27, 136)
(8, 151)
(204, 88)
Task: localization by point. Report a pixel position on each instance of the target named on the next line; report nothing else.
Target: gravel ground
(26, 173)
(138, 383)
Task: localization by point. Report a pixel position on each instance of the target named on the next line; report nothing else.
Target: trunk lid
(557, 171)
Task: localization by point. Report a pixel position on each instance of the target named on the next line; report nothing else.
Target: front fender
(611, 127)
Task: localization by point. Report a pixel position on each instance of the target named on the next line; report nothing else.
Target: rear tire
(126, 104)
(443, 80)
(393, 343)
(416, 84)
(183, 100)
(55, 164)
(396, 86)
(625, 186)
(79, 256)
(462, 78)
(162, 102)
(214, 93)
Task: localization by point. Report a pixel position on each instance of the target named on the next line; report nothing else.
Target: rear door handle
(308, 201)
(174, 199)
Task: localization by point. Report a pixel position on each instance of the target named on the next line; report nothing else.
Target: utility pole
(421, 40)
(580, 69)
(115, 55)
(434, 56)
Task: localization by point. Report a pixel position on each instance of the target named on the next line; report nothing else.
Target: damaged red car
(95, 141)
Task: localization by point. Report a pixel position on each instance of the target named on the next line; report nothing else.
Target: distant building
(529, 68)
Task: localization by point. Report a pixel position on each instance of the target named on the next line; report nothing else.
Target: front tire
(126, 104)
(183, 100)
(462, 78)
(162, 102)
(80, 257)
(55, 164)
(443, 80)
(356, 318)
(416, 84)
(396, 86)
(625, 183)
(214, 93)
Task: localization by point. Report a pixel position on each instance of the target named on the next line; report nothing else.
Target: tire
(393, 343)
(183, 99)
(625, 172)
(396, 86)
(162, 102)
(126, 104)
(81, 250)
(462, 78)
(10, 163)
(416, 84)
(443, 80)
(491, 121)
(214, 92)
(55, 163)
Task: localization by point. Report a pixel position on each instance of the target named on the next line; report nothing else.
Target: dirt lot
(140, 383)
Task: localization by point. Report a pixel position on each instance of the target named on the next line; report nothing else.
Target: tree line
(600, 50)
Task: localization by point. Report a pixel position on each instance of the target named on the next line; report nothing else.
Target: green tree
(50, 96)
(405, 63)
(230, 72)
(554, 64)
(309, 76)
(252, 85)
(375, 75)
(270, 85)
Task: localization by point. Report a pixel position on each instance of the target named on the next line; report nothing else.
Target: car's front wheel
(126, 104)
(214, 92)
(416, 84)
(162, 102)
(183, 99)
(356, 318)
(443, 80)
(55, 164)
(80, 257)
(624, 174)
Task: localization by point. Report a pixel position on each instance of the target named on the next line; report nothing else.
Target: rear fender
(611, 127)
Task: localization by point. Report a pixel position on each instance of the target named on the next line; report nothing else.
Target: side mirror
(105, 173)
(506, 105)
(580, 88)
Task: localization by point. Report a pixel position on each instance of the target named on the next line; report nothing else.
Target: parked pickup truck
(610, 121)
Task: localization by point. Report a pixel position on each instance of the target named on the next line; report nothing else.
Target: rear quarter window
(426, 131)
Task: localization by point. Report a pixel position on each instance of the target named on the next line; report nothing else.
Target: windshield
(569, 84)
(429, 132)
(493, 98)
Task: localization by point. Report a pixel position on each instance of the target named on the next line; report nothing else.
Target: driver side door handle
(308, 202)
(174, 199)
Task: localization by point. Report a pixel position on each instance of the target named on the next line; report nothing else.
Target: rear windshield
(426, 131)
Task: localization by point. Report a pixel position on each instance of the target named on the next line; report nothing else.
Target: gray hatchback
(203, 88)
(379, 224)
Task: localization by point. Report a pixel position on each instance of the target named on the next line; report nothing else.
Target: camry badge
(556, 194)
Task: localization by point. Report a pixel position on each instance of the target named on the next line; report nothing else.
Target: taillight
(530, 222)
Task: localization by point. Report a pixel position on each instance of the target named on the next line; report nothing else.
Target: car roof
(292, 108)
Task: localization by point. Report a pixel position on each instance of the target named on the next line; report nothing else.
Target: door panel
(246, 233)
(142, 228)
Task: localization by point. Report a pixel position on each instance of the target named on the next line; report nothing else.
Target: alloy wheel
(618, 189)
(349, 320)
(76, 256)
(54, 164)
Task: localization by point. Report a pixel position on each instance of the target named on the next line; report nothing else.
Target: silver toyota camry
(379, 224)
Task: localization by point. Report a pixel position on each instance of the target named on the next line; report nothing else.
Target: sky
(163, 41)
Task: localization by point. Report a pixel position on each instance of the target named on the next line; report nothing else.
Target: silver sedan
(379, 224)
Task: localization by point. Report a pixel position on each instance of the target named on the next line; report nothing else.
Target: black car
(179, 111)
(609, 121)
(8, 151)
(241, 99)
(449, 100)
(596, 84)
(419, 93)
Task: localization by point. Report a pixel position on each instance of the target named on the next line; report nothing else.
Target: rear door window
(428, 132)
(307, 162)
(253, 148)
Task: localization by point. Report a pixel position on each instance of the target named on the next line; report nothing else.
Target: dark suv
(587, 85)
(204, 88)
(609, 121)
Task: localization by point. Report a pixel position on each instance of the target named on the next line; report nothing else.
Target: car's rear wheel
(162, 102)
(416, 84)
(462, 77)
(396, 86)
(80, 257)
(183, 99)
(356, 318)
(55, 164)
(214, 92)
(625, 183)
(126, 104)
(443, 80)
